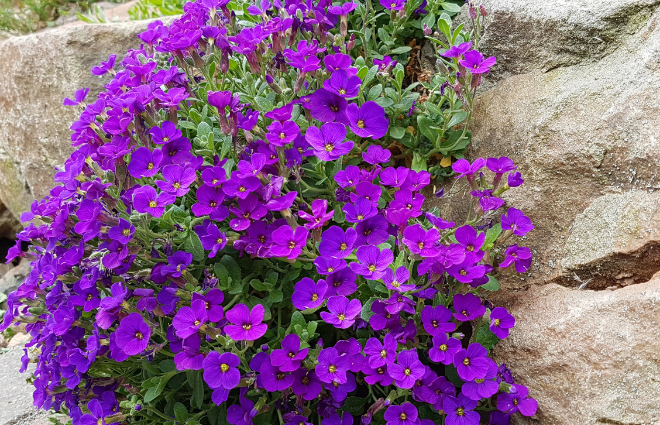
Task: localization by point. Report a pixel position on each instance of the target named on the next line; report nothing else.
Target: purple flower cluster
(271, 250)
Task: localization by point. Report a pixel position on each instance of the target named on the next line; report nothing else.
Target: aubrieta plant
(234, 241)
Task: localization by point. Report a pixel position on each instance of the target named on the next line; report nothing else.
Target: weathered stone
(589, 357)
(580, 133)
(36, 73)
(14, 277)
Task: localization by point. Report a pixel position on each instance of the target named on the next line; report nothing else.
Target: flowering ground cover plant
(234, 241)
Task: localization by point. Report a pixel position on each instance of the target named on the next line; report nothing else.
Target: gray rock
(36, 73)
(14, 277)
(16, 396)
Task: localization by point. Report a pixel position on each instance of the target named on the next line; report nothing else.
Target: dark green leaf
(486, 338)
(458, 118)
(397, 132)
(492, 285)
(491, 236)
(180, 412)
(400, 50)
(194, 246)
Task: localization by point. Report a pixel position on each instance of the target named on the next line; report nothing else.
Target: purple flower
(241, 414)
(190, 358)
(373, 231)
(288, 358)
(393, 5)
(518, 255)
(326, 266)
(341, 283)
(482, 388)
(501, 321)
(337, 244)
(420, 241)
(515, 180)
(475, 63)
(273, 379)
(346, 418)
(444, 349)
(342, 312)
(437, 320)
(368, 120)
(214, 176)
(407, 369)
(280, 134)
(189, 320)
(98, 412)
(177, 179)
(212, 239)
(123, 232)
(376, 155)
(209, 202)
(468, 272)
(372, 262)
(500, 165)
(465, 169)
(331, 366)
(319, 216)
(248, 209)
(146, 200)
(221, 370)
(348, 177)
(177, 263)
(472, 363)
(468, 307)
(145, 163)
(167, 132)
(289, 243)
(438, 222)
(246, 325)
(460, 410)
(342, 84)
(387, 62)
(328, 141)
(395, 280)
(306, 384)
(406, 414)
(327, 107)
(241, 187)
(394, 177)
(298, 420)
(517, 222)
(307, 294)
(78, 98)
(363, 209)
(132, 334)
(381, 354)
(518, 401)
(105, 67)
(457, 51)
(468, 237)
(282, 203)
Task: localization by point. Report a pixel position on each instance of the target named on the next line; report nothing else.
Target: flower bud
(427, 30)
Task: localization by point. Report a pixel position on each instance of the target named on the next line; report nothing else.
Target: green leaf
(155, 391)
(297, 319)
(354, 405)
(366, 309)
(232, 267)
(167, 365)
(275, 296)
(194, 246)
(187, 124)
(397, 132)
(418, 162)
(180, 412)
(197, 384)
(444, 25)
(425, 125)
(203, 129)
(491, 236)
(226, 147)
(486, 338)
(450, 7)
(384, 102)
(492, 285)
(452, 375)
(264, 104)
(196, 117)
(375, 92)
(401, 50)
(458, 118)
(370, 75)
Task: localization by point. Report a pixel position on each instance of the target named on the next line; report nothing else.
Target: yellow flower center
(371, 267)
(247, 326)
(315, 297)
(420, 245)
(360, 123)
(407, 371)
(166, 139)
(479, 381)
(224, 367)
(360, 217)
(126, 232)
(139, 335)
(342, 91)
(153, 204)
(329, 147)
(332, 368)
(214, 181)
(341, 316)
(176, 185)
(150, 166)
(331, 269)
(395, 284)
(242, 189)
(443, 347)
(383, 353)
(292, 244)
(460, 412)
(466, 361)
(213, 204)
(496, 322)
(343, 246)
(282, 136)
(197, 322)
(403, 416)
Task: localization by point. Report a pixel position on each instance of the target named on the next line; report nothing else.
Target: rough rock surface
(36, 73)
(589, 357)
(573, 101)
(14, 277)
(16, 396)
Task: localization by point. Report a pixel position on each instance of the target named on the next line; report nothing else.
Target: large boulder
(573, 101)
(36, 73)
